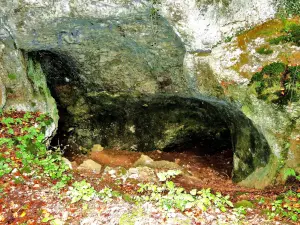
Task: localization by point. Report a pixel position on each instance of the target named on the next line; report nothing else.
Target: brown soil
(205, 171)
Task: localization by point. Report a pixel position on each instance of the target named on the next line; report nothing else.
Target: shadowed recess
(139, 122)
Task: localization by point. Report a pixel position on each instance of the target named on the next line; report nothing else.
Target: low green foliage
(163, 176)
(169, 197)
(30, 148)
(228, 39)
(81, 191)
(154, 10)
(286, 205)
(106, 194)
(224, 3)
(5, 168)
(289, 172)
(84, 191)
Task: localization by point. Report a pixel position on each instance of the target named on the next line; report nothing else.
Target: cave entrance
(180, 129)
(204, 154)
(64, 84)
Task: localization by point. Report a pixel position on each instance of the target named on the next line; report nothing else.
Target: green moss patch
(277, 83)
(12, 76)
(292, 35)
(264, 50)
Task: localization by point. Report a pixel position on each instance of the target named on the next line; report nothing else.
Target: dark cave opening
(143, 123)
(60, 72)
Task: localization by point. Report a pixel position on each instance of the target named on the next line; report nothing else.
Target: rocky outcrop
(146, 75)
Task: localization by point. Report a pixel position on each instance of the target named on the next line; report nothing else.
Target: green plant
(240, 213)
(154, 15)
(289, 172)
(169, 197)
(286, 205)
(228, 39)
(12, 76)
(81, 191)
(5, 168)
(106, 194)
(163, 176)
(48, 217)
(84, 191)
(7, 121)
(224, 3)
(30, 149)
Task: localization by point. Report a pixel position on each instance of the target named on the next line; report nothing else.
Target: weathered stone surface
(143, 174)
(89, 165)
(203, 23)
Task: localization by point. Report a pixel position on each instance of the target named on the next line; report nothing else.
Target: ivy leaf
(193, 192)
(170, 185)
(161, 177)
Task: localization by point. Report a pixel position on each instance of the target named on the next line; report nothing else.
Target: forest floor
(36, 187)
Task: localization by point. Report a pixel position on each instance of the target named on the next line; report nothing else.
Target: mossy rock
(292, 36)
(277, 83)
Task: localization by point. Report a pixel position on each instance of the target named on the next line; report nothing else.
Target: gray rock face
(136, 75)
(204, 23)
